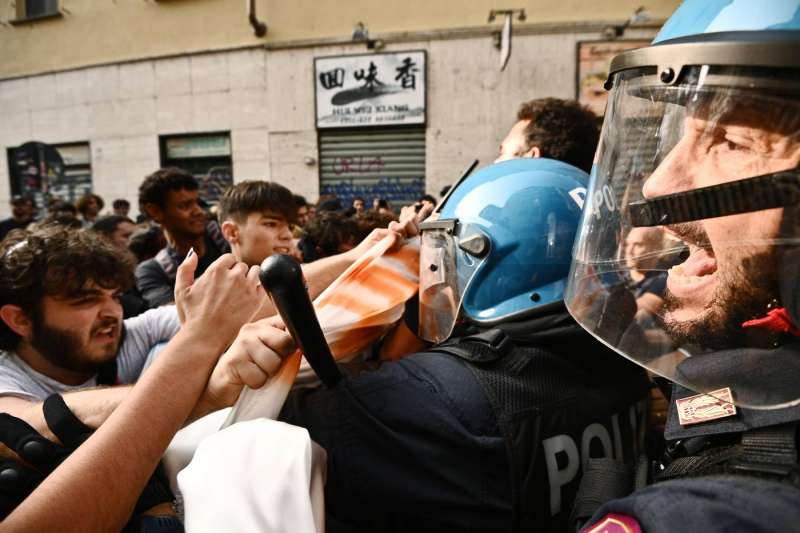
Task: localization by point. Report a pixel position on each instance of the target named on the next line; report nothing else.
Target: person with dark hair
(553, 128)
(170, 197)
(89, 206)
(22, 211)
(302, 209)
(329, 202)
(61, 326)
(146, 242)
(121, 207)
(117, 228)
(57, 205)
(427, 200)
(328, 234)
(94, 484)
(381, 205)
(359, 206)
(370, 220)
(255, 218)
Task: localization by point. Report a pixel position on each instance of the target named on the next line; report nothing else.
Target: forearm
(323, 272)
(91, 406)
(318, 276)
(96, 488)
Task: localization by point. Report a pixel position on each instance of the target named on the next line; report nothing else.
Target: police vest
(555, 411)
(738, 445)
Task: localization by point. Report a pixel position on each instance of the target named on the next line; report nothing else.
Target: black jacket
(438, 442)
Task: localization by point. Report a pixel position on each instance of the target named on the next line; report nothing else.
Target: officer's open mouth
(280, 250)
(700, 263)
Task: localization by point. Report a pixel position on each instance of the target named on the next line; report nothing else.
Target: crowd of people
(510, 409)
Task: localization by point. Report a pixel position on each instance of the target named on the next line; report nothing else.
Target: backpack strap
(481, 348)
(770, 452)
(604, 479)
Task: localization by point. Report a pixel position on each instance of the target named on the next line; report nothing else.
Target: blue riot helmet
(701, 144)
(499, 246)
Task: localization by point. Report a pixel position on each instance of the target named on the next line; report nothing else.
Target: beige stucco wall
(265, 98)
(94, 32)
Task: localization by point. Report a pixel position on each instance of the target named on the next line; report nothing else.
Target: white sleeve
(141, 334)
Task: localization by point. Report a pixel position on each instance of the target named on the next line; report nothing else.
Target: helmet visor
(448, 263)
(686, 260)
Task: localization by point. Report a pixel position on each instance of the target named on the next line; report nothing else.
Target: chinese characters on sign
(370, 90)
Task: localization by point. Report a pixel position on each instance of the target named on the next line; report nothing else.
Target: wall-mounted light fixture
(361, 34)
(638, 17)
(502, 38)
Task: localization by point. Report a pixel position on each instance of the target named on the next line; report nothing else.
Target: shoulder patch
(615, 523)
(704, 407)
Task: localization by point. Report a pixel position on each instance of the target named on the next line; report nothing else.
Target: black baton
(282, 278)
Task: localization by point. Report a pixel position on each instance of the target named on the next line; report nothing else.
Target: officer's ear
(534, 153)
(17, 320)
(230, 230)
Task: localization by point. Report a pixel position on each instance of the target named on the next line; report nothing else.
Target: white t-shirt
(142, 333)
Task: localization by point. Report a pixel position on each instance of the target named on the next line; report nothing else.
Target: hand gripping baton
(282, 278)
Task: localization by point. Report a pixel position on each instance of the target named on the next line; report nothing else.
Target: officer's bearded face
(730, 275)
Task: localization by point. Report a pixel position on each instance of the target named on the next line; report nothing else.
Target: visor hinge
(476, 245)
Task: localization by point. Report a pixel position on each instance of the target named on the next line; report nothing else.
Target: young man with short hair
(255, 218)
(170, 197)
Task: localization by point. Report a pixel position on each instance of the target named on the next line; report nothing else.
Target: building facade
(122, 88)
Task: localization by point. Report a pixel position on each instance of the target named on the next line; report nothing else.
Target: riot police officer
(702, 139)
(488, 429)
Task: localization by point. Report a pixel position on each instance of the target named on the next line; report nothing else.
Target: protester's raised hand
(254, 356)
(374, 237)
(224, 298)
(410, 219)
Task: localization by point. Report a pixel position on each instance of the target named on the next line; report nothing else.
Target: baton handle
(282, 278)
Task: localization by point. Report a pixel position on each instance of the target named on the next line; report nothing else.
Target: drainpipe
(259, 28)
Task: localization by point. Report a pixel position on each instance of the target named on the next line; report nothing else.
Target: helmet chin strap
(768, 191)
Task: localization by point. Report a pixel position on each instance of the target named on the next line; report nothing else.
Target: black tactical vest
(556, 404)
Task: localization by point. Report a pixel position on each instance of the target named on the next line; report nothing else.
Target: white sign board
(198, 146)
(370, 90)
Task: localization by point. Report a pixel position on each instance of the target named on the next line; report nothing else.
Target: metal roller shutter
(376, 163)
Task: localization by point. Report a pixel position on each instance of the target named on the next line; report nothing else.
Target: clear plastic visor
(445, 272)
(687, 259)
